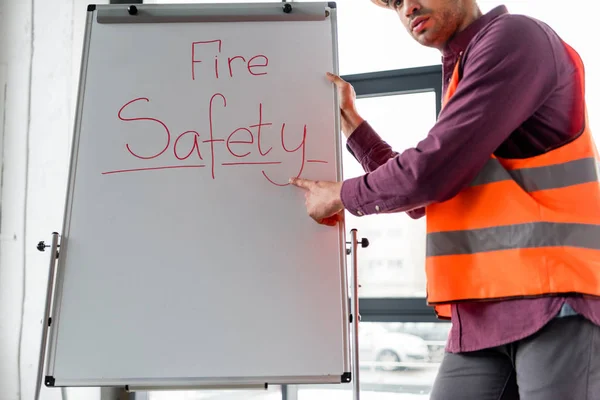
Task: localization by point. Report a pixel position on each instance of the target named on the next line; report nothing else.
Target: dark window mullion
(410, 80)
(126, 2)
(396, 310)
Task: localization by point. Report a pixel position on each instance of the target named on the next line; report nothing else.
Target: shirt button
(360, 213)
(377, 208)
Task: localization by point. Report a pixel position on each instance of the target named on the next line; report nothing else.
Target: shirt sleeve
(508, 72)
(369, 149)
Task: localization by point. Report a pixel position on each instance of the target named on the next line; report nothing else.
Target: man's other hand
(349, 116)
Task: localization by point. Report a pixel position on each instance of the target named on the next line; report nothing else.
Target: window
(393, 264)
(399, 361)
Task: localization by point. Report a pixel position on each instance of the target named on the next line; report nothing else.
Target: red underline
(201, 166)
(253, 163)
(152, 168)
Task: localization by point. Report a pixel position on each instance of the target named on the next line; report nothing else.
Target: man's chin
(426, 39)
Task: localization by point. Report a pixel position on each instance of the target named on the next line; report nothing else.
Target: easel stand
(47, 321)
(105, 393)
(241, 82)
(355, 316)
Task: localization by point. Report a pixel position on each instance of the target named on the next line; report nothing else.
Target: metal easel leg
(355, 311)
(105, 393)
(46, 321)
(115, 394)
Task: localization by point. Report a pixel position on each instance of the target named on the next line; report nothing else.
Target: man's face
(433, 22)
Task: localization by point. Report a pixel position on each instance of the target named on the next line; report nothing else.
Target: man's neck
(471, 17)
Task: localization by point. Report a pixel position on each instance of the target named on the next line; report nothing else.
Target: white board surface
(186, 258)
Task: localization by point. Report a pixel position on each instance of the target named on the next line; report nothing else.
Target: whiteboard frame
(156, 13)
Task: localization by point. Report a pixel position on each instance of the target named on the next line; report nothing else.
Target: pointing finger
(301, 183)
(328, 221)
(332, 221)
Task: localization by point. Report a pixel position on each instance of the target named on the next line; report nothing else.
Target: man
(507, 178)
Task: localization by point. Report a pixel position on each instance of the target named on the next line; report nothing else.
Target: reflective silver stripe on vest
(520, 236)
(555, 176)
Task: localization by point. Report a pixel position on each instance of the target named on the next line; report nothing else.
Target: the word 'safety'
(245, 145)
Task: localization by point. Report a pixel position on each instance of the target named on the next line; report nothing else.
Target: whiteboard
(186, 259)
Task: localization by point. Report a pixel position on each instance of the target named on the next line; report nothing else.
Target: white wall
(40, 48)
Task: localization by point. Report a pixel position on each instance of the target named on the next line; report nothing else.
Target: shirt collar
(461, 40)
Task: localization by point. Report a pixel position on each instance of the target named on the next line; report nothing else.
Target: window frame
(384, 83)
(399, 81)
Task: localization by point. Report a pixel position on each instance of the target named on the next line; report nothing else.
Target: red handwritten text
(203, 50)
(240, 142)
(145, 119)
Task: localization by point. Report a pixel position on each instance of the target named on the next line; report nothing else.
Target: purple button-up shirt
(515, 100)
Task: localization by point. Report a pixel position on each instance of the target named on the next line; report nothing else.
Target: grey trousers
(560, 362)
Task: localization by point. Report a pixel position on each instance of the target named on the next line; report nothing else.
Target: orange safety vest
(523, 227)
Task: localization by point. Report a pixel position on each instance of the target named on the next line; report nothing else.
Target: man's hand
(350, 118)
(323, 200)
